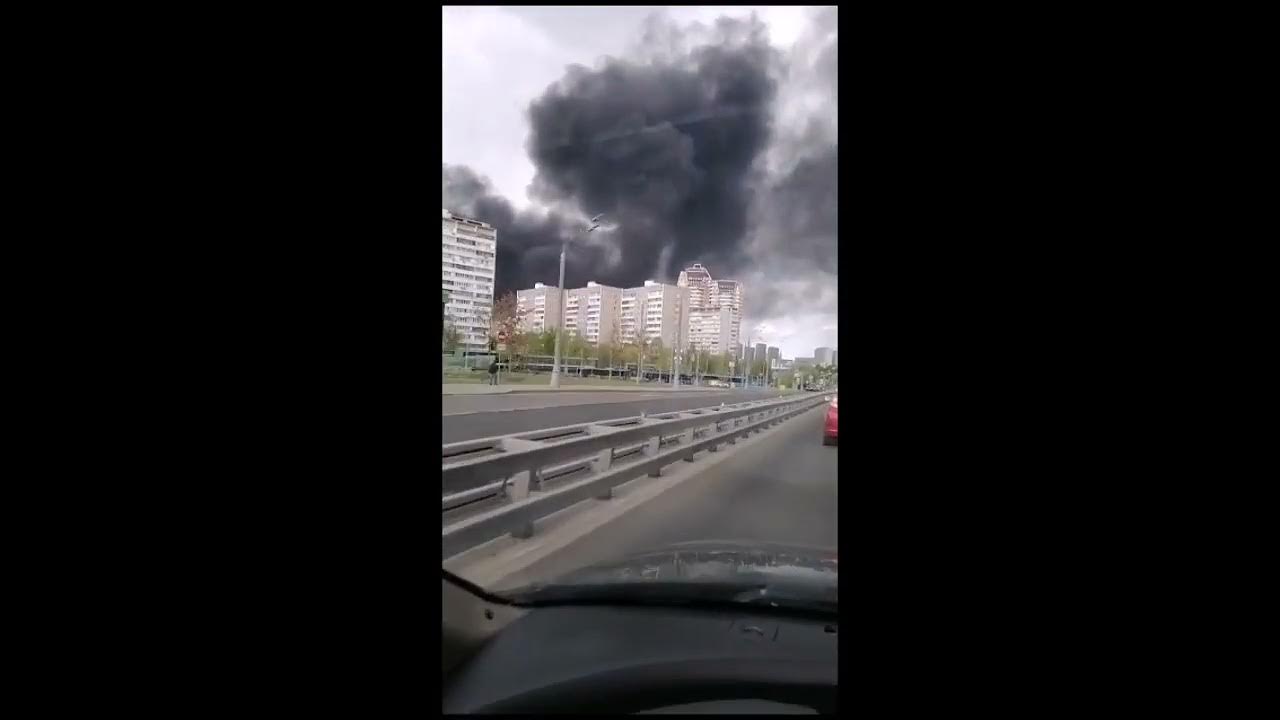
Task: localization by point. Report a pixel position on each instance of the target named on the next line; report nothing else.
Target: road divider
(504, 486)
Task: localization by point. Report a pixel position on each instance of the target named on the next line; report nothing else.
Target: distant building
(701, 286)
(774, 355)
(835, 358)
(729, 294)
(803, 362)
(539, 308)
(715, 310)
(823, 355)
(594, 313)
(655, 311)
(468, 249)
(748, 358)
(760, 351)
(712, 330)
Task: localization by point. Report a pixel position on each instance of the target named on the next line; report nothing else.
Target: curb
(586, 388)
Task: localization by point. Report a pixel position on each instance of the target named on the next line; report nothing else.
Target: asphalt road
(467, 417)
(782, 490)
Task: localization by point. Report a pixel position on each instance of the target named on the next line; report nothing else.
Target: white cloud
(492, 64)
(796, 335)
(786, 22)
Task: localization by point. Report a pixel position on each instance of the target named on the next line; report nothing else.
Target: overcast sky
(666, 158)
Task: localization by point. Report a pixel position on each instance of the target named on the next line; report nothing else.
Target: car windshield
(639, 360)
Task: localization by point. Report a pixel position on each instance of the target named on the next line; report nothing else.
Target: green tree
(452, 338)
(720, 363)
(624, 353)
(572, 349)
(544, 343)
(520, 345)
(607, 355)
(758, 368)
(645, 350)
(657, 356)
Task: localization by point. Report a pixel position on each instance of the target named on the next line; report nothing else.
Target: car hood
(718, 560)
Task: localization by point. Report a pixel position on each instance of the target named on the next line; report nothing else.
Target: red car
(829, 426)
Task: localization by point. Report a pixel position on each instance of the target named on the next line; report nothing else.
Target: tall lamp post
(564, 246)
(444, 330)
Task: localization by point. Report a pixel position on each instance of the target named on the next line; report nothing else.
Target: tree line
(505, 327)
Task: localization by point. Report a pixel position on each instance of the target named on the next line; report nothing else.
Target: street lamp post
(564, 246)
(640, 365)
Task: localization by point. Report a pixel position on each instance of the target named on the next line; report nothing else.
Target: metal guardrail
(513, 468)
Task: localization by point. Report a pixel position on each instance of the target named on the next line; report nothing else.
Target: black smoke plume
(669, 148)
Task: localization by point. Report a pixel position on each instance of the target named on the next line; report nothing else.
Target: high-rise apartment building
(760, 350)
(835, 358)
(712, 329)
(654, 310)
(538, 309)
(715, 310)
(594, 312)
(823, 356)
(701, 286)
(468, 251)
(729, 296)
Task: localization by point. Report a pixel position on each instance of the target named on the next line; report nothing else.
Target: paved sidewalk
(474, 389)
(478, 389)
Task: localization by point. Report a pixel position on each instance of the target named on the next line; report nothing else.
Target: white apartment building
(729, 293)
(538, 309)
(701, 286)
(468, 253)
(711, 330)
(715, 310)
(655, 310)
(594, 313)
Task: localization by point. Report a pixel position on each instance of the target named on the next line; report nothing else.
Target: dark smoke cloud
(794, 242)
(671, 147)
(664, 148)
(528, 243)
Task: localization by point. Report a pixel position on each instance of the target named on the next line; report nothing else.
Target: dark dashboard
(630, 659)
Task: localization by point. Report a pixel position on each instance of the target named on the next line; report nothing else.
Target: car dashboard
(645, 659)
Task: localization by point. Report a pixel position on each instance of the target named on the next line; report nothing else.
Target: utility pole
(677, 350)
(640, 311)
(564, 246)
